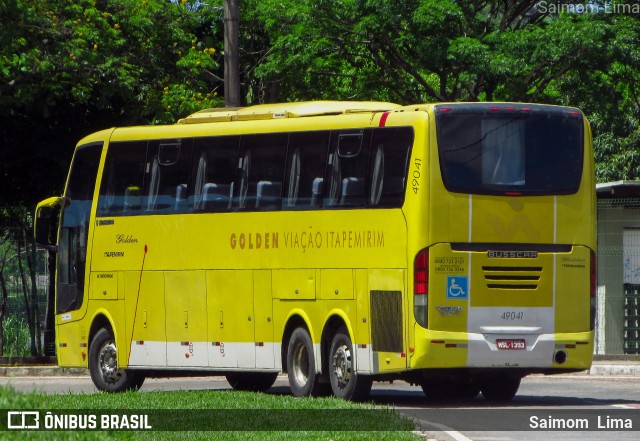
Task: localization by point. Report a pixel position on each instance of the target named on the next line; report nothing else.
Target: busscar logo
(18, 419)
(495, 254)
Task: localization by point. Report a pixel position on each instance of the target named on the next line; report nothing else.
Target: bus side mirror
(46, 222)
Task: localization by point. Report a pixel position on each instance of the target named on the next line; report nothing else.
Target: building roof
(618, 189)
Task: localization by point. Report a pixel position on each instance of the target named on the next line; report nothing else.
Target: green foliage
(441, 50)
(18, 282)
(68, 68)
(17, 341)
(99, 52)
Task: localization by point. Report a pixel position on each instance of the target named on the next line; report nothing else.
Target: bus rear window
(522, 150)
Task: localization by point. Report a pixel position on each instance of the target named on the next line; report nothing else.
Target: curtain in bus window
(347, 168)
(535, 152)
(503, 152)
(260, 172)
(390, 151)
(213, 172)
(167, 176)
(123, 178)
(305, 170)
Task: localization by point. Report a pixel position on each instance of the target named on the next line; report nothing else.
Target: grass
(17, 342)
(228, 413)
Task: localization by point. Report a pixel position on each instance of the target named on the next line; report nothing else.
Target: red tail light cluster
(421, 288)
(421, 273)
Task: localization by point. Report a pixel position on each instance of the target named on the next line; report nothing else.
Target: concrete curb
(41, 371)
(599, 368)
(615, 369)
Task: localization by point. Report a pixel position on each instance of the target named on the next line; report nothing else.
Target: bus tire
(502, 388)
(252, 381)
(301, 364)
(103, 366)
(450, 389)
(436, 389)
(465, 390)
(345, 382)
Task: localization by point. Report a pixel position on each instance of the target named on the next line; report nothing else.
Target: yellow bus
(447, 245)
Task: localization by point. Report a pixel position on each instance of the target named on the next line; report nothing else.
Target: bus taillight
(421, 288)
(592, 290)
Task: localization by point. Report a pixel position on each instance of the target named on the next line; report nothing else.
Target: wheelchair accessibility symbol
(457, 287)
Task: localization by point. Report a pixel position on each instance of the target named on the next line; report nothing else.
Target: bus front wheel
(345, 382)
(103, 366)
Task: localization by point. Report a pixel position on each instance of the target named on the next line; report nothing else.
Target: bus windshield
(514, 150)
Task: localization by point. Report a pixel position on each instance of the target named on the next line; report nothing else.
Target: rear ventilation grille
(512, 277)
(386, 321)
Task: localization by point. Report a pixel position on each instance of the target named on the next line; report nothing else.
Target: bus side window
(212, 173)
(260, 172)
(347, 168)
(122, 180)
(390, 152)
(167, 170)
(305, 169)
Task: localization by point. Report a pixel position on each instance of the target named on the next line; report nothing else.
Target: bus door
(74, 231)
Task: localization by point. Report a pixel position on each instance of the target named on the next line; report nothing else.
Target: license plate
(511, 345)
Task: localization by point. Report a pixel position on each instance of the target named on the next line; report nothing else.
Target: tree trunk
(27, 306)
(231, 55)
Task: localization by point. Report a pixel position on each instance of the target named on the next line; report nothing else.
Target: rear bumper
(543, 352)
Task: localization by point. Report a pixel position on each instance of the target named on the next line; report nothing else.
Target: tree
(17, 263)
(5, 249)
(70, 68)
(410, 51)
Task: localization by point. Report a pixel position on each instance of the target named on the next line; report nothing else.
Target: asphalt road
(604, 403)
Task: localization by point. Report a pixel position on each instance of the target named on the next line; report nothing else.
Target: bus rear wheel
(502, 388)
(103, 366)
(252, 381)
(450, 389)
(345, 382)
(435, 389)
(301, 366)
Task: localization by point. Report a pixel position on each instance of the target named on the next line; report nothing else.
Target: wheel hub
(342, 364)
(108, 363)
(301, 365)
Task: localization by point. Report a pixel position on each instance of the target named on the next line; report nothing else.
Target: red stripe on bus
(383, 119)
